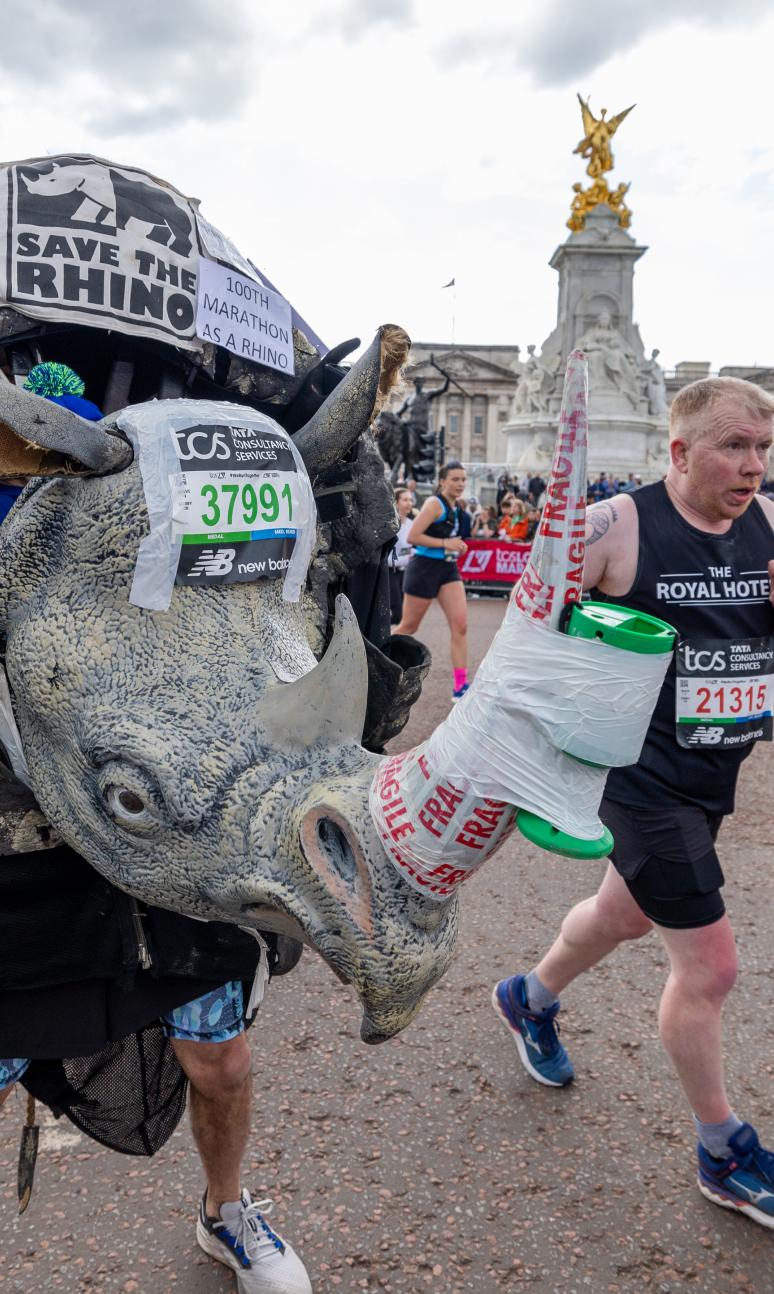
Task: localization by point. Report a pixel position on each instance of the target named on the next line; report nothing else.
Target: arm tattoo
(598, 521)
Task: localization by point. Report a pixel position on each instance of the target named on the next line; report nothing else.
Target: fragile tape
(538, 699)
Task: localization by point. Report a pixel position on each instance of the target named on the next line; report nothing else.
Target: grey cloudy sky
(364, 152)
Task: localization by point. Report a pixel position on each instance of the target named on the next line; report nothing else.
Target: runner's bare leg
(454, 606)
(702, 974)
(590, 931)
(414, 611)
(220, 1074)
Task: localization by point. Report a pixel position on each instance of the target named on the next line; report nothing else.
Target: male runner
(696, 550)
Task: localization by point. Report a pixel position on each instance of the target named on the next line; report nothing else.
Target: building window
(479, 415)
(454, 416)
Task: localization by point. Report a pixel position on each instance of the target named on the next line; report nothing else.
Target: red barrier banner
(493, 561)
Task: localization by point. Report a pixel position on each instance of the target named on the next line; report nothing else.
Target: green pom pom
(54, 379)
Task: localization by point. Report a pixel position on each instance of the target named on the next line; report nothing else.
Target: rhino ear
(356, 401)
(327, 706)
(39, 438)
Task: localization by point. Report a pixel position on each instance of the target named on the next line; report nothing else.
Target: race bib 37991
(236, 504)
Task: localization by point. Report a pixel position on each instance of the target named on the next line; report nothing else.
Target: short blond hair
(698, 397)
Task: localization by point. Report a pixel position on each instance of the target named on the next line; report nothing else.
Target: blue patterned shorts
(216, 1017)
(11, 1071)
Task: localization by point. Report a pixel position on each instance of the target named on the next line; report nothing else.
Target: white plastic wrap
(10, 737)
(151, 428)
(436, 830)
(590, 700)
(539, 698)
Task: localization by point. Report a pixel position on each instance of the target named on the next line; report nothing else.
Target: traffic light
(424, 467)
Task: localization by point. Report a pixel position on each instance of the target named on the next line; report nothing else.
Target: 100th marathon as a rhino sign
(244, 317)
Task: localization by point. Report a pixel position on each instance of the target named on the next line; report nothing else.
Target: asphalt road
(433, 1162)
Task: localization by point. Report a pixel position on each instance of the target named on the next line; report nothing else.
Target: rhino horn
(40, 438)
(333, 429)
(316, 709)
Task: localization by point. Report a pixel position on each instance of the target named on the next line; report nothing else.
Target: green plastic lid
(541, 833)
(620, 627)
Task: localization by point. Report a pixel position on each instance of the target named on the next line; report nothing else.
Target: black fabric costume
(68, 934)
(75, 999)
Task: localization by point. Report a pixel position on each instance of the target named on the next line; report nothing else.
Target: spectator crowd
(515, 516)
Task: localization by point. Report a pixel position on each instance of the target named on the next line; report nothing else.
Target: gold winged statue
(595, 144)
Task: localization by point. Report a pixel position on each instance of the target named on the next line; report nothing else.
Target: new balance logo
(213, 561)
(705, 736)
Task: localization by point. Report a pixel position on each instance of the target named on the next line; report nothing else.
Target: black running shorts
(426, 575)
(667, 858)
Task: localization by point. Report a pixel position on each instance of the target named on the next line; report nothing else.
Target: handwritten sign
(244, 317)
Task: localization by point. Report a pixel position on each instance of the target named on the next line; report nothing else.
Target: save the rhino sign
(101, 245)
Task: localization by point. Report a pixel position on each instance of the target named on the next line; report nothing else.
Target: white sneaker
(243, 1240)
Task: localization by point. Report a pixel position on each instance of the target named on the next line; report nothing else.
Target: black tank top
(708, 587)
(448, 523)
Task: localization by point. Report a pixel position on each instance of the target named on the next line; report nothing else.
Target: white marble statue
(612, 366)
(537, 383)
(654, 386)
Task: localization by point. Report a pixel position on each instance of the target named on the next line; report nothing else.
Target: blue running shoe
(744, 1181)
(534, 1032)
(459, 692)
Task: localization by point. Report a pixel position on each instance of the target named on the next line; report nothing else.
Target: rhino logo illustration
(86, 194)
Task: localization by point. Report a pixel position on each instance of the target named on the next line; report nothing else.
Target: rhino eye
(130, 802)
(127, 807)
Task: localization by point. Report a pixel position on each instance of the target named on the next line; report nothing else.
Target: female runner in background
(398, 558)
(432, 571)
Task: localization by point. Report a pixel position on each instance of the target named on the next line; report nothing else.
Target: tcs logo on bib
(202, 443)
(698, 661)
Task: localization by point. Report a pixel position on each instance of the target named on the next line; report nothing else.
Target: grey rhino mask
(201, 758)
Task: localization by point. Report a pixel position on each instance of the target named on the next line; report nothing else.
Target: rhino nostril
(336, 848)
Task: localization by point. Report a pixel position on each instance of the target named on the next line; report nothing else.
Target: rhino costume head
(201, 758)
(205, 761)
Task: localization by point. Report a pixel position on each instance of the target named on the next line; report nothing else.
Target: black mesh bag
(130, 1096)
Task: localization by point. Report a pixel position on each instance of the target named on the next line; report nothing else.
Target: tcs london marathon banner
(112, 247)
(493, 561)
